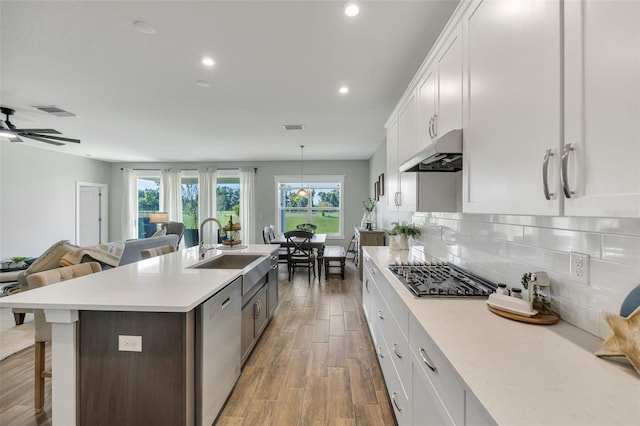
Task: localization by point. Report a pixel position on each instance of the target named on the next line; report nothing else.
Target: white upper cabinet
(602, 108)
(407, 128)
(401, 187)
(391, 178)
(440, 92)
(426, 93)
(512, 118)
(449, 112)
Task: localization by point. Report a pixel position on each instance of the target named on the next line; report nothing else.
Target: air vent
(55, 111)
(293, 126)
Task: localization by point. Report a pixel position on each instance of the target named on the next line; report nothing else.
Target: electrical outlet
(130, 343)
(579, 267)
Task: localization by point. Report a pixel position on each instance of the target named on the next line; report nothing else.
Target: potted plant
(402, 232)
(369, 217)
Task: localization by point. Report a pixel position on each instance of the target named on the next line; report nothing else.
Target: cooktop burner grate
(441, 279)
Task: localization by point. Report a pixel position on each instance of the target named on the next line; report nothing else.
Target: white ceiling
(277, 62)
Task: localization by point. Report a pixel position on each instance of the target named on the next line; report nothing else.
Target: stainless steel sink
(229, 261)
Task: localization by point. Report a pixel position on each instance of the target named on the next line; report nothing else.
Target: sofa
(50, 259)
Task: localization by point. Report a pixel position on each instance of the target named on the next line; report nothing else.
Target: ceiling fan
(14, 134)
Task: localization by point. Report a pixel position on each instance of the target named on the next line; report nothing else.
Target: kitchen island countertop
(160, 284)
(522, 373)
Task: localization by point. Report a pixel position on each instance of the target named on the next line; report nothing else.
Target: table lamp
(159, 218)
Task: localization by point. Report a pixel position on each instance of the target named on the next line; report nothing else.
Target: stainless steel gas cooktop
(441, 279)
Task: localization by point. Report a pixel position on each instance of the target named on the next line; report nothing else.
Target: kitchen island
(461, 363)
(158, 296)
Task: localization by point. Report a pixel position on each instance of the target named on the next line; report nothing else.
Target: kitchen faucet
(201, 249)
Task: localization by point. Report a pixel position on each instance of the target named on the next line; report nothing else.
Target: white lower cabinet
(428, 408)
(474, 412)
(399, 396)
(439, 372)
(423, 387)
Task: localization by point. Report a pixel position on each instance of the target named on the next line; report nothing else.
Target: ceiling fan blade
(55, 132)
(35, 137)
(57, 138)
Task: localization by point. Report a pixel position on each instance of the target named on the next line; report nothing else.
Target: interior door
(91, 214)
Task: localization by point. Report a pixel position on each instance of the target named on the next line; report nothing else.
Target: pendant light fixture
(302, 192)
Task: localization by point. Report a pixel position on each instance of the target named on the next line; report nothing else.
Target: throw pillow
(160, 233)
(50, 259)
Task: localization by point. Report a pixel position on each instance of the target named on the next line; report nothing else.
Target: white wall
(355, 188)
(38, 196)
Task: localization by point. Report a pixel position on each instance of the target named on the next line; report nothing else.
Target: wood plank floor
(314, 365)
(16, 390)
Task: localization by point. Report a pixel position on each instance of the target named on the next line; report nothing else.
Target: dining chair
(42, 327)
(269, 235)
(300, 253)
(156, 251)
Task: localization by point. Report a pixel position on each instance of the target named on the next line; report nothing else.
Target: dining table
(317, 242)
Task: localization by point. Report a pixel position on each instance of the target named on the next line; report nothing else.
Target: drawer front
(438, 370)
(395, 304)
(427, 407)
(398, 345)
(400, 401)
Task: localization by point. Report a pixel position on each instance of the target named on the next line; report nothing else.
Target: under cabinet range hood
(443, 155)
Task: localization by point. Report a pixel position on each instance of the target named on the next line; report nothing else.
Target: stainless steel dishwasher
(217, 350)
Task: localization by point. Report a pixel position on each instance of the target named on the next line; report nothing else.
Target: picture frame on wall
(381, 185)
(376, 191)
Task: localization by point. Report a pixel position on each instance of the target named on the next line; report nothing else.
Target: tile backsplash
(503, 247)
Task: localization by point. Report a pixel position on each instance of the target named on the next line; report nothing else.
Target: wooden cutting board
(538, 318)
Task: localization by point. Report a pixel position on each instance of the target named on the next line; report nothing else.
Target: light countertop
(160, 284)
(523, 373)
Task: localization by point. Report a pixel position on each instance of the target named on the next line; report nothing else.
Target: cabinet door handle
(274, 257)
(380, 354)
(395, 350)
(372, 271)
(431, 127)
(426, 360)
(274, 266)
(380, 314)
(395, 401)
(545, 174)
(564, 174)
(225, 303)
(397, 199)
(256, 309)
(435, 126)
(366, 285)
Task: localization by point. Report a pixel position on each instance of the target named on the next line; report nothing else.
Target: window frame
(310, 179)
(142, 174)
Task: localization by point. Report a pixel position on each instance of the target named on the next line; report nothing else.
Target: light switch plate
(579, 267)
(129, 343)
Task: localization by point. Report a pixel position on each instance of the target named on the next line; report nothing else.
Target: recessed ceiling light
(144, 27)
(203, 83)
(208, 61)
(343, 90)
(351, 10)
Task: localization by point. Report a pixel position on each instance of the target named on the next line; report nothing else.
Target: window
(228, 196)
(323, 206)
(190, 187)
(148, 185)
(148, 188)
